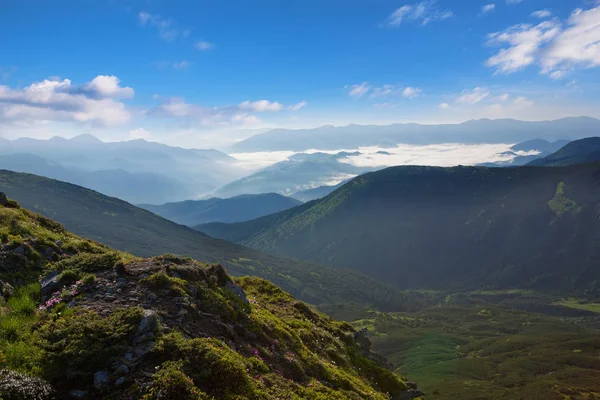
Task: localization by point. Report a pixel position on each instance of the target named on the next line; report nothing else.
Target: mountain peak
(86, 138)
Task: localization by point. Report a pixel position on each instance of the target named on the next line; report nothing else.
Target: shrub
(84, 341)
(212, 365)
(68, 277)
(170, 383)
(160, 280)
(86, 262)
(88, 279)
(16, 386)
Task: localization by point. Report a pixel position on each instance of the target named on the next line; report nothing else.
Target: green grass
(579, 305)
(487, 350)
(560, 204)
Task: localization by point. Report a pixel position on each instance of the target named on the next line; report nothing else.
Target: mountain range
(329, 137)
(299, 172)
(128, 228)
(137, 170)
(234, 209)
(577, 152)
(526, 227)
(536, 149)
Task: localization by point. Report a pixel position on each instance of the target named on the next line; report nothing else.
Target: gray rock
(6, 289)
(19, 250)
(148, 324)
(238, 291)
(3, 199)
(409, 394)
(78, 394)
(59, 243)
(411, 385)
(120, 381)
(128, 356)
(122, 370)
(50, 284)
(101, 380)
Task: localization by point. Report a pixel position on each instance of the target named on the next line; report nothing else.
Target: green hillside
(103, 324)
(576, 152)
(448, 228)
(131, 229)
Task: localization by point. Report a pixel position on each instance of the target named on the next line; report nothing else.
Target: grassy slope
(277, 347)
(483, 227)
(128, 228)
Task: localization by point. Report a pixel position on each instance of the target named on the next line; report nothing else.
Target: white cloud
(167, 28)
(523, 102)
(139, 133)
(204, 45)
(261, 106)
(541, 14)
(488, 8)
(410, 92)
(514, 1)
(577, 45)
(59, 100)
(502, 97)
(297, 106)
(181, 65)
(557, 48)
(359, 90)
(385, 90)
(524, 43)
(444, 106)
(473, 96)
(155, 96)
(223, 115)
(424, 11)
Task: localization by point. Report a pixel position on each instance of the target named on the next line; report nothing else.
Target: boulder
(50, 284)
(78, 394)
(101, 380)
(148, 323)
(238, 291)
(122, 370)
(6, 289)
(19, 250)
(120, 381)
(360, 337)
(409, 394)
(3, 199)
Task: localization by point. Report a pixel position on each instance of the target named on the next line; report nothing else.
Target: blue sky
(201, 73)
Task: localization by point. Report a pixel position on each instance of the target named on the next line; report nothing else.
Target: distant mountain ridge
(471, 132)
(541, 146)
(175, 173)
(233, 209)
(300, 172)
(527, 227)
(577, 152)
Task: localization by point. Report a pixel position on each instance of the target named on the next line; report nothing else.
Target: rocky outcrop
(3, 199)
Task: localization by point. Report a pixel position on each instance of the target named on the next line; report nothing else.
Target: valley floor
(493, 345)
